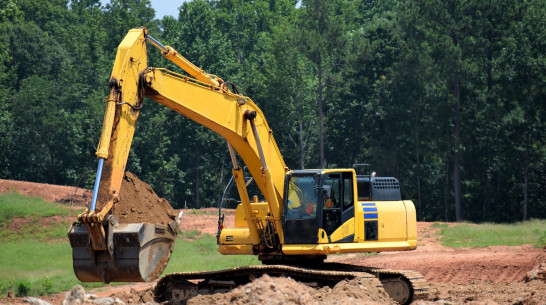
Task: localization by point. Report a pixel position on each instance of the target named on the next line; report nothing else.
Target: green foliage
(485, 235)
(23, 289)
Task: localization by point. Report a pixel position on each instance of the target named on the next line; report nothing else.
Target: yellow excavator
(306, 214)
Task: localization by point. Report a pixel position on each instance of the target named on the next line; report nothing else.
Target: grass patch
(16, 205)
(188, 235)
(202, 254)
(35, 230)
(484, 235)
(23, 218)
(40, 268)
(37, 268)
(438, 225)
(202, 212)
(35, 253)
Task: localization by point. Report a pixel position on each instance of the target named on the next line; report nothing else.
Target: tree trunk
(418, 165)
(321, 122)
(486, 192)
(489, 100)
(300, 123)
(162, 171)
(499, 190)
(526, 181)
(446, 194)
(197, 156)
(456, 147)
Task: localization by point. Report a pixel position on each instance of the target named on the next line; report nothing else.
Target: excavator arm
(202, 97)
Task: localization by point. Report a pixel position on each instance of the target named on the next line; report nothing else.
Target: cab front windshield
(302, 197)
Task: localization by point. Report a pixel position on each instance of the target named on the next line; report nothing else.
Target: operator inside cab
(328, 197)
(301, 203)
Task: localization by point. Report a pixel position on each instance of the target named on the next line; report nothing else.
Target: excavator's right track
(403, 286)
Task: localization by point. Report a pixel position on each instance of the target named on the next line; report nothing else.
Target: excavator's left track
(402, 286)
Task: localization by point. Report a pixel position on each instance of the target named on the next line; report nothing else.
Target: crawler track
(403, 286)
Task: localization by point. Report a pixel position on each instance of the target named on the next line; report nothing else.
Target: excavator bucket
(135, 252)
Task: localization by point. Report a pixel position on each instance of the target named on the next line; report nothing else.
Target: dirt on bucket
(139, 203)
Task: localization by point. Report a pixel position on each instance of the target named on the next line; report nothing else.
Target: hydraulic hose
(96, 187)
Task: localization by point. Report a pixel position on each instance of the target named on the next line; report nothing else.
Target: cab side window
(333, 193)
(347, 192)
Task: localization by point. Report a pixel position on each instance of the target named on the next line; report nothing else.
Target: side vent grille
(386, 183)
(385, 189)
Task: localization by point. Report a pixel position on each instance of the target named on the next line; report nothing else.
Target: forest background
(449, 96)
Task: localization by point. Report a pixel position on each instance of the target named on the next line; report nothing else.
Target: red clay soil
(139, 203)
(50, 192)
(18, 222)
(456, 266)
(206, 220)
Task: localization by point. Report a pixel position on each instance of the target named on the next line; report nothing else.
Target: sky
(162, 7)
(166, 7)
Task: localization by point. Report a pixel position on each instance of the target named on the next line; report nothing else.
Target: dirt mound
(134, 296)
(286, 291)
(533, 298)
(538, 273)
(480, 292)
(356, 291)
(139, 203)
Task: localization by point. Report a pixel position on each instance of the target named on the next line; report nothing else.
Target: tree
(289, 82)
(446, 25)
(123, 15)
(523, 66)
(321, 28)
(6, 117)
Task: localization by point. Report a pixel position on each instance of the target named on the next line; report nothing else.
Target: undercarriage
(403, 286)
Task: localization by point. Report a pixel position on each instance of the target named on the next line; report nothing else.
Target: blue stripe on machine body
(370, 216)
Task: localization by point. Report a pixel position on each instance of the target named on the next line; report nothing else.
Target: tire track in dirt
(494, 264)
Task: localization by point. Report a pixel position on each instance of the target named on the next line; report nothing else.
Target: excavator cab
(316, 203)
